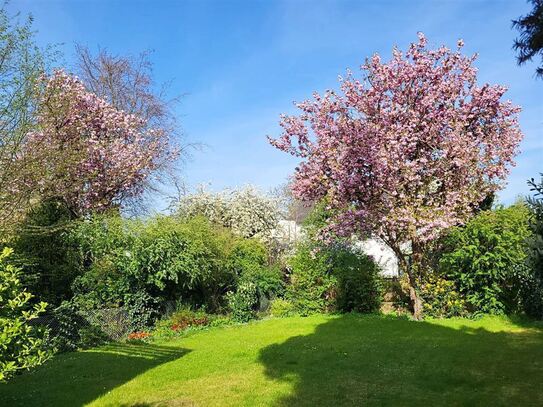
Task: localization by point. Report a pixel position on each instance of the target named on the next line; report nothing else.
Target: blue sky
(242, 63)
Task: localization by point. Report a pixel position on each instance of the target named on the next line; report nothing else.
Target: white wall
(291, 232)
(382, 254)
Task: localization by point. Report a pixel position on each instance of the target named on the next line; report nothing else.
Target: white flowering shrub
(247, 211)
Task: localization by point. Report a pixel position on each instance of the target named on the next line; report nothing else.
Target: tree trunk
(410, 265)
(416, 301)
(413, 273)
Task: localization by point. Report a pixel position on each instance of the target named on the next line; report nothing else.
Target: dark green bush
(247, 255)
(268, 280)
(358, 284)
(325, 279)
(533, 288)
(486, 259)
(142, 265)
(248, 260)
(312, 285)
(47, 257)
(142, 309)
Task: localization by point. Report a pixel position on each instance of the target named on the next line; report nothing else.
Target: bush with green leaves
(282, 308)
(141, 265)
(532, 293)
(359, 288)
(247, 254)
(242, 302)
(43, 250)
(327, 277)
(333, 278)
(22, 346)
(312, 287)
(486, 259)
(249, 261)
(144, 265)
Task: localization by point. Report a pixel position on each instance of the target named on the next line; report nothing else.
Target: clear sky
(242, 63)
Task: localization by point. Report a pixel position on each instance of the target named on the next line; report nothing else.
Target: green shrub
(242, 303)
(268, 281)
(47, 257)
(441, 299)
(142, 265)
(247, 255)
(325, 279)
(282, 308)
(313, 286)
(248, 260)
(142, 309)
(532, 293)
(358, 282)
(22, 346)
(486, 259)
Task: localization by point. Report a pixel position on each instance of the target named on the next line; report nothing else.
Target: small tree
(486, 259)
(404, 153)
(22, 64)
(86, 152)
(21, 345)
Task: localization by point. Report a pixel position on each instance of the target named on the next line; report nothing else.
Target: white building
(290, 232)
(383, 256)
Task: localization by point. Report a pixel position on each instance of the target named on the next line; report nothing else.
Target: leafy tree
(22, 65)
(406, 152)
(530, 42)
(21, 345)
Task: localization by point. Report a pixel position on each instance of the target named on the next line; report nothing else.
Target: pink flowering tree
(87, 153)
(404, 153)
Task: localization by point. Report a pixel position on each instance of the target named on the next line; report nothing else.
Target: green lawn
(321, 360)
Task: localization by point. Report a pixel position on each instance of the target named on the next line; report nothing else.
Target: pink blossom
(406, 151)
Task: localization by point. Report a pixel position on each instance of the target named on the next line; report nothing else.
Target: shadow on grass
(354, 361)
(74, 379)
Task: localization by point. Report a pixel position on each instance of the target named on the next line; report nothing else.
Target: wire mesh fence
(72, 325)
(113, 323)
